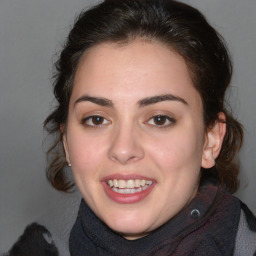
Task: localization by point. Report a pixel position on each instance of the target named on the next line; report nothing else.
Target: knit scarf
(207, 226)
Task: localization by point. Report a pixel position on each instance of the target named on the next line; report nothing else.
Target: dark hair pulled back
(181, 28)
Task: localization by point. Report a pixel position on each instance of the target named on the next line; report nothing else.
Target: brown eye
(94, 121)
(97, 120)
(161, 121)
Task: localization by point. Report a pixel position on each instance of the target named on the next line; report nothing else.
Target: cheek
(86, 152)
(181, 149)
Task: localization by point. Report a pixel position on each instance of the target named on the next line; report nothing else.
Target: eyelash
(170, 121)
(85, 121)
(88, 121)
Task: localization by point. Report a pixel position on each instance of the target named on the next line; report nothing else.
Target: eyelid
(95, 114)
(171, 120)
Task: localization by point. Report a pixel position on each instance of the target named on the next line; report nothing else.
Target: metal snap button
(195, 214)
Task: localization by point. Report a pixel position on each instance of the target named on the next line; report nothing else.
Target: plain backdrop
(31, 35)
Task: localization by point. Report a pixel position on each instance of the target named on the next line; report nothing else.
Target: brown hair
(177, 25)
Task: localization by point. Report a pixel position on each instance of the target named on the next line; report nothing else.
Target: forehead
(134, 70)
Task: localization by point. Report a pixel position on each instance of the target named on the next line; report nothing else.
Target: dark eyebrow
(159, 98)
(97, 100)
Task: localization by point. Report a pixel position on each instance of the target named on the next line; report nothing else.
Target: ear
(213, 141)
(65, 144)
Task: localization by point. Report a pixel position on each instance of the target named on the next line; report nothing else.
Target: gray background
(31, 33)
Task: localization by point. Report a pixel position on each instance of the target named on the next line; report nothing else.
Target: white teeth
(129, 190)
(110, 183)
(130, 183)
(115, 189)
(129, 186)
(149, 182)
(122, 184)
(144, 188)
(115, 182)
(137, 183)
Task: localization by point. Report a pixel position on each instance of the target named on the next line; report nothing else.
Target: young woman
(142, 121)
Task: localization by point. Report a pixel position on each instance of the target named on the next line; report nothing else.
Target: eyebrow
(142, 103)
(97, 100)
(159, 98)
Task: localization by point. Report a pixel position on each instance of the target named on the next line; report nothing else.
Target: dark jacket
(214, 223)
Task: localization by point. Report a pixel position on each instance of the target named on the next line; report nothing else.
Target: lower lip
(127, 198)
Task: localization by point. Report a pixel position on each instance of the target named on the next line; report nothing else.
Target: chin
(129, 226)
(131, 233)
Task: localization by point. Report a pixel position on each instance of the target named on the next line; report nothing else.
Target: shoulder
(231, 225)
(245, 243)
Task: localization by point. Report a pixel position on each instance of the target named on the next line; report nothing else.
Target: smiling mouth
(129, 186)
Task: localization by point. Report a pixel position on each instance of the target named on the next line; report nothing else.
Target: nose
(125, 147)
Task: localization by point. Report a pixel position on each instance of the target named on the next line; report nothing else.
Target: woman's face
(135, 135)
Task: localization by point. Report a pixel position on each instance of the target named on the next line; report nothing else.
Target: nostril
(125, 147)
(125, 158)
